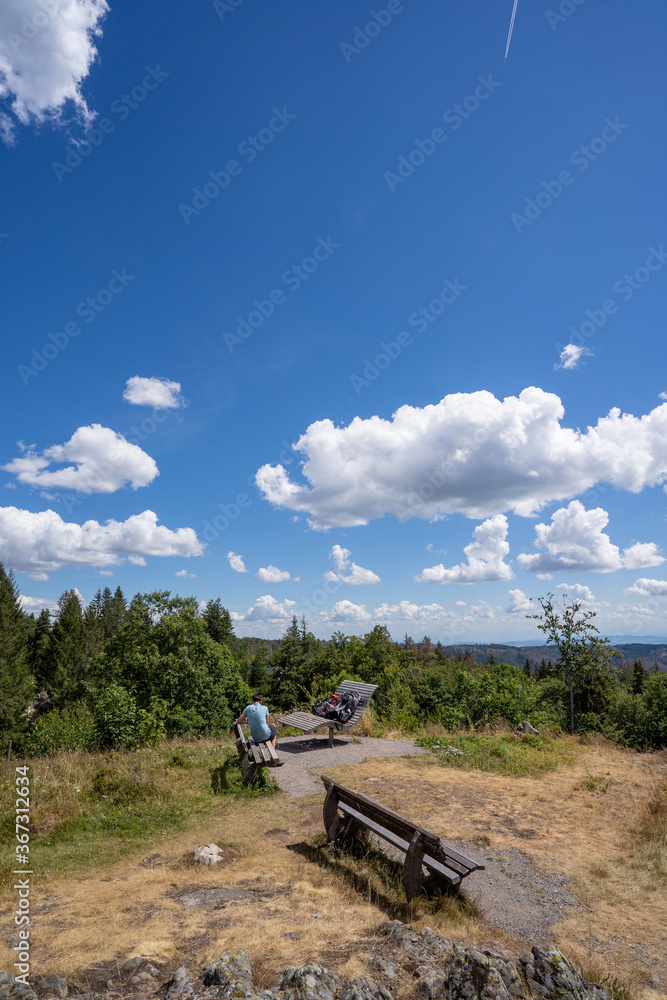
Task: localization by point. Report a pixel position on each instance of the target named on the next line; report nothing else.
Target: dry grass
(105, 914)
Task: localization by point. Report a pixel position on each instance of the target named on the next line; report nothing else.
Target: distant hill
(648, 652)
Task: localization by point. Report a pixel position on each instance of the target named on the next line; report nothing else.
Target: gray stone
(402, 934)
(23, 991)
(152, 971)
(233, 970)
(179, 985)
(432, 984)
(363, 988)
(49, 984)
(559, 979)
(214, 897)
(473, 977)
(525, 729)
(387, 968)
(132, 964)
(293, 935)
(310, 982)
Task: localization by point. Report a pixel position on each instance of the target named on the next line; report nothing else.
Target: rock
(473, 977)
(557, 978)
(214, 897)
(293, 935)
(179, 985)
(232, 970)
(363, 988)
(152, 971)
(209, 854)
(525, 729)
(154, 913)
(132, 964)
(387, 968)
(6, 984)
(49, 984)
(402, 934)
(432, 984)
(14, 942)
(310, 982)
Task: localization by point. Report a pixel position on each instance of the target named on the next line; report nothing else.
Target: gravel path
(306, 756)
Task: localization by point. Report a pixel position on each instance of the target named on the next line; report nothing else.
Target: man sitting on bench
(256, 715)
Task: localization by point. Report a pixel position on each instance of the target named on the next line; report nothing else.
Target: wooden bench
(347, 814)
(252, 755)
(308, 723)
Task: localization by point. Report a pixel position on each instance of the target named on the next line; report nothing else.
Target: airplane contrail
(509, 36)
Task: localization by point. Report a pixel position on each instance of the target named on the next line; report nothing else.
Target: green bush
(119, 723)
(70, 729)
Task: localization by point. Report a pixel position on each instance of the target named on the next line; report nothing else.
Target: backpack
(348, 703)
(328, 709)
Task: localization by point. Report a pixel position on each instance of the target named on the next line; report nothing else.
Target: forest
(119, 673)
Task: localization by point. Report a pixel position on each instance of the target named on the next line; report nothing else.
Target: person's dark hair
(257, 696)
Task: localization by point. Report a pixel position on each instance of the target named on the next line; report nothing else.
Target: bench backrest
(399, 825)
(365, 691)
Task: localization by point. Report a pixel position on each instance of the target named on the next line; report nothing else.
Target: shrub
(70, 729)
(119, 723)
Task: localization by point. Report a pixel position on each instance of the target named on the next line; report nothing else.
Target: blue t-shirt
(256, 715)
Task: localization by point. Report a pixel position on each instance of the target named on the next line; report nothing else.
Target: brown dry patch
(562, 824)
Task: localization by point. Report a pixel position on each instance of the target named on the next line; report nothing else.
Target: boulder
(363, 988)
(233, 970)
(179, 985)
(551, 975)
(310, 982)
(209, 854)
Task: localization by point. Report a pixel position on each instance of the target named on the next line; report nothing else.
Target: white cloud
(578, 592)
(356, 575)
(485, 557)
(266, 609)
(519, 603)
(41, 543)
(422, 614)
(575, 541)
(271, 574)
(46, 50)
(571, 355)
(102, 461)
(346, 611)
(33, 605)
(470, 453)
(159, 393)
(648, 588)
(236, 562)
(184, 573)
(105, 572)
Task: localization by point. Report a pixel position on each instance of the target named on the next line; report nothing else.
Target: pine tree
(638, 677)
(38, 645)
(218, 622)
(65, 662)
(16, 681)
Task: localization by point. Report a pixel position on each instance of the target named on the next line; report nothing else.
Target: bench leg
(331, 732)
(412, 868)
(332, 821)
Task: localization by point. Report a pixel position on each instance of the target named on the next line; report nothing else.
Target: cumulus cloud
(575, 540)
(184, 573)
(578, 592)
(470, 453)
(236, 562)
(34, 605)
(519, 603)
(159, 393)
(47, 48)
(645, 587)
(41, 543)
(571, 355)
(346, 611)
(346, 572)
(266, 609)
(101, 461)
(271, 574)
(484, 557)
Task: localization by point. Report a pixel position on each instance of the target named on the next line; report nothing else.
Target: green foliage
(120, 723)
(16, 681)
(71, 728)
(122, 788)
(499, 754)
(640, 721)
(218, 624)
(227, 779)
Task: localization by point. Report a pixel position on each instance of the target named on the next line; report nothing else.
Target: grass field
(113, 835)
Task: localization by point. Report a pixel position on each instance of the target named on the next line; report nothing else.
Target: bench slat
(452, 877)
(308, 723)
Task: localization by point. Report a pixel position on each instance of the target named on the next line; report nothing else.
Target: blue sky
(328, 310)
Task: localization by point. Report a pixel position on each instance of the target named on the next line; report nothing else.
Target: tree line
(127, 673)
